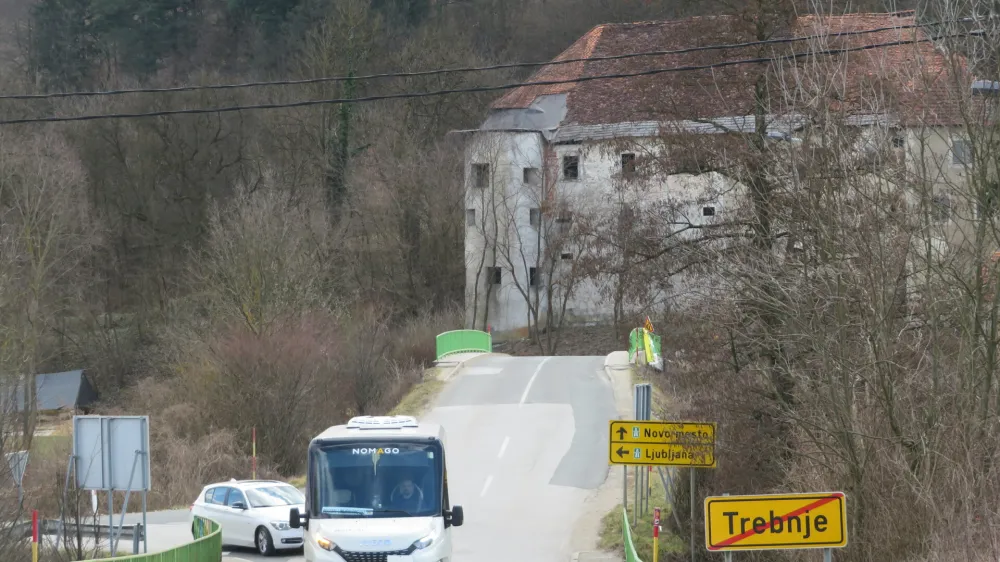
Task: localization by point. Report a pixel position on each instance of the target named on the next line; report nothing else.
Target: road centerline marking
(503, 447)
(486, 485)
(531, 381)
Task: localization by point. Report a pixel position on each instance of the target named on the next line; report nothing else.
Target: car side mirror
(296, 519)
(239, 505)
(455, 517)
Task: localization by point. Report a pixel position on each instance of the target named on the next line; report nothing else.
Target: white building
(547, 155)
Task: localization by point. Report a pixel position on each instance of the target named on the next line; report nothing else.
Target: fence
(463, 341)
(630, 554)
(206, 547)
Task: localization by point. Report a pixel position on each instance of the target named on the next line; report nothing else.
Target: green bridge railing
(630, 553)
(206, 547)
(463, 341)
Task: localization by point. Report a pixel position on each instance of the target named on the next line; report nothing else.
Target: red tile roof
(914, 78)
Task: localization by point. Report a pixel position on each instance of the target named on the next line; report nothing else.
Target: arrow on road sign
(621, 433)
(621, 452)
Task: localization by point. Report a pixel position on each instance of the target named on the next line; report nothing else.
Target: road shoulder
(587, 531)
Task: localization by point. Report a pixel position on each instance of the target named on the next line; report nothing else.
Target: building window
(960, 152)
(564, 222)
(940, 208)
(628, 164)
(571, 167)
(535, 217)
(532, 277)
(531, 176)
(566, 256)
(898, 141)
(493, 275)
(481, 175)
(470, 217)
(708, 211)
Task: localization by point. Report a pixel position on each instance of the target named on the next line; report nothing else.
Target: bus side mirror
(455, 517)
(296, 519)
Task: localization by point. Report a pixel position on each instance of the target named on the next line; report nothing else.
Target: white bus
(377, 490)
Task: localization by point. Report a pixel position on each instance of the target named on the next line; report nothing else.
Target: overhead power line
(435, 72)
(478, 89)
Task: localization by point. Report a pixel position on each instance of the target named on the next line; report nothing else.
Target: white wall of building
(510, 199)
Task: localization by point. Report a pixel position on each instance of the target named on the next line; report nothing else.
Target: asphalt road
(527, 441)
(526, 446)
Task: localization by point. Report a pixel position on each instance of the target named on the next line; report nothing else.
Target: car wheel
(265, 545)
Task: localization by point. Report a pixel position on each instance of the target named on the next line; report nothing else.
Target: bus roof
(380, 427)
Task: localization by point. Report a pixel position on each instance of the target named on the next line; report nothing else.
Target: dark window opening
(940, 208)
(493, 274)
(628, 164)
(566, 256)
(571, 167)
(708, 211)
(481, 175)
(564, 222)
(534, 217)
(531, 176)
(532, 277)
(898, 141)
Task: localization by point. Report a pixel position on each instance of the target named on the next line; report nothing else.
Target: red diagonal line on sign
(784, 518)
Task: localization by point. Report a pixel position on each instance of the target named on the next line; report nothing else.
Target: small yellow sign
(663, 432)
(662, 454)
(776, 521)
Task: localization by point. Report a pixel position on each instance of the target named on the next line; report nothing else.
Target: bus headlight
(326, 544)
(424, 542)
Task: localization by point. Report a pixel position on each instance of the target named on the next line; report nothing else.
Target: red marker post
(34, 535)
(656, 534)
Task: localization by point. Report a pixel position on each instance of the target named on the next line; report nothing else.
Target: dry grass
(642, 534)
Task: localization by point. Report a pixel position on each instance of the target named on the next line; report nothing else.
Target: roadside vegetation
(284, 270)
(642, 533)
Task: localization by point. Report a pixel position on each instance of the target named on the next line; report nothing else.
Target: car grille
(371, 556)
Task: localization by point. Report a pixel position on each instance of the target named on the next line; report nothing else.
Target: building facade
(554, 168)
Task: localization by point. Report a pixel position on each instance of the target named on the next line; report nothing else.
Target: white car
(252, 513)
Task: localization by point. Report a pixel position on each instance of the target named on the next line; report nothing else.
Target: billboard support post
(107, 453)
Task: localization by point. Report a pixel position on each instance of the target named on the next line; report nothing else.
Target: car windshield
(274, 496)
(361, 480)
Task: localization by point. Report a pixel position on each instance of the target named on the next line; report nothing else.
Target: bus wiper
(406, 513)
(346, 511)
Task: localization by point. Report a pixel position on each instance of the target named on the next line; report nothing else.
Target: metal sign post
(728, 556)
(692, 469)
(112, 453)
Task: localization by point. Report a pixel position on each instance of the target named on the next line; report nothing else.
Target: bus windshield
(382, 479)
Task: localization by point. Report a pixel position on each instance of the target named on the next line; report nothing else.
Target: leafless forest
(210, 270)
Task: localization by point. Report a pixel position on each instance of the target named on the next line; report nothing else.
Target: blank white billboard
(111, 452)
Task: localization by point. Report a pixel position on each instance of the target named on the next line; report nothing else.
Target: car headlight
(326, 544)
(424, 542)
(281, 525)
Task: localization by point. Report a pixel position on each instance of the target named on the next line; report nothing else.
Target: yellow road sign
(776, 521)
(662, 432)
(662, 443)
(662, 454)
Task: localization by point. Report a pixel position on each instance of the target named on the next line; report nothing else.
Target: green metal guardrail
(206, 547)
(630, 554)
(463, 341)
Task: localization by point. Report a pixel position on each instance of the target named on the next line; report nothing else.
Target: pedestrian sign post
(776, 522)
